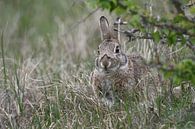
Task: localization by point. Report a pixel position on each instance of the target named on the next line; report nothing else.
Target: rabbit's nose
(105, 63)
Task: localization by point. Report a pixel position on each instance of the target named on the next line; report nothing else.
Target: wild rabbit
(115, 72)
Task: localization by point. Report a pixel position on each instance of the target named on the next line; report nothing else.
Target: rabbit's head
(110, 56)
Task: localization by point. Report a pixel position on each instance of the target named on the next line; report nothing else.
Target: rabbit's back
(129, 78)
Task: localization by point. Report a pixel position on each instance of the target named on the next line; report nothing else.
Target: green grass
(44, 78)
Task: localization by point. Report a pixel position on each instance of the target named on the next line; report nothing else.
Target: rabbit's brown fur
(116, 72)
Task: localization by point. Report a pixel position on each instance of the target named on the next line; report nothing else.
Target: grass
(44, 83)
(3, 59)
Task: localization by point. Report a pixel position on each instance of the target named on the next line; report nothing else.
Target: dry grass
(44, 83)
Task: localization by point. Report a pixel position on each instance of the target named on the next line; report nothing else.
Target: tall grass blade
(3, 58)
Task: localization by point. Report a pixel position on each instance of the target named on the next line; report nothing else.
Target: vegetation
(47, 53)
(175, 28)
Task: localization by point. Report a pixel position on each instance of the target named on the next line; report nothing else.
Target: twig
(146, 21)
(131, 34)
(172, 27)
(191, 46)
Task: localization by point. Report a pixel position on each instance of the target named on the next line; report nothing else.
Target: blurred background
(32, 28)
(47, 27)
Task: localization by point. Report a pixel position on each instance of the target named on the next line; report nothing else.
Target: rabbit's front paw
(108, 100)
(106, 92)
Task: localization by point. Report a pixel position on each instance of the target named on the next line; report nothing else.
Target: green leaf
(178, 18)
(192, 10)
(156, 36)
(105, 4)
(130, 4)
(119, 10)
(135, 20)
(115, 2)
(185, 71)
(193, 40)
(172, 37)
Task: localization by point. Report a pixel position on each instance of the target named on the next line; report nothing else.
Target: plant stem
(3, 58)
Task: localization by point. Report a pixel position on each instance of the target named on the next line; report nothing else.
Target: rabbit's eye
(98, 52)
(117, 50)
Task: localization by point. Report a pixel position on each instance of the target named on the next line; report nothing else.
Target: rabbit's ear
(104, 28)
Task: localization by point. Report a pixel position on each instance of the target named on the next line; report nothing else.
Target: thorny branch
(132, 35)
(145, 19)
(172, 27)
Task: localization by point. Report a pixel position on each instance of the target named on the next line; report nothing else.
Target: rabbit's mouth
(107, 69)
(107, 66)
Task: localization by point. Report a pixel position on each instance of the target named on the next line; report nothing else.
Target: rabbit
(115, 72)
